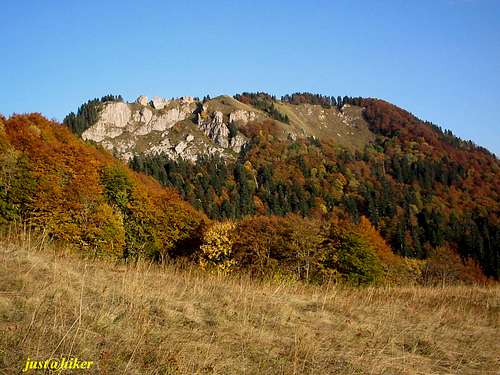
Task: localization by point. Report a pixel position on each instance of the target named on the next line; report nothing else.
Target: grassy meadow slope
(149, 319)
(347, 128)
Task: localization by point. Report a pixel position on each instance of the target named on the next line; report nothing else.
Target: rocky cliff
(179, 128)
(187, 128)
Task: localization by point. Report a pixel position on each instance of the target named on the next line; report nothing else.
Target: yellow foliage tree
(217, 247)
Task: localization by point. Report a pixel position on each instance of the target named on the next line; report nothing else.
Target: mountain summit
(427, 192)
(187, 128)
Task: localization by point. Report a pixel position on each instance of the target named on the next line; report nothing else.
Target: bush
(445, 266)
(217, 248)
(349, 255)
(285, 246)
(117, 186)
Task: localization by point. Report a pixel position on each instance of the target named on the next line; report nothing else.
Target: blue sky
(439, 59)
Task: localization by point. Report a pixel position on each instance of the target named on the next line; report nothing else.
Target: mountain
(307, 187)
(187, 128)
(78, 196)
(426, 191)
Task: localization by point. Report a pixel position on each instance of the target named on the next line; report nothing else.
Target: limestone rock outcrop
(187, 99)
(113, 121)
(120, 126)
(188, 128)
(127, 129)
(218, 131)
(215, 129)
(237, 142)
(160, 122)
(241, 116)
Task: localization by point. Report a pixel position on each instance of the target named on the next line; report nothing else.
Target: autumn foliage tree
(217, 248)
(82, 195)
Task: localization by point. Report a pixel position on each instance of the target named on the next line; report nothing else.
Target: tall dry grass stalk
(153, 319)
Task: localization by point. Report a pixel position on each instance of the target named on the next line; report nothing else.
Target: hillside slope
(147, 319)
(423, 188)
(79, 195)
(303, 207)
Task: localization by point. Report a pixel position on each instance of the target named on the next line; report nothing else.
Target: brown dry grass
(149, 319)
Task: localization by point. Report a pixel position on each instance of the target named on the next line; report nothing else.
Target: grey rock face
(160, 122)
(145, 115)
(120, 126)
(218, 118)
(241, 116)
(181, 147)
(187, 99)
(127, 129)
(237, 142)
(113, 121)
(215, 129)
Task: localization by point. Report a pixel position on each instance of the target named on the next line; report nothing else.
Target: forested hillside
(79, 195)
(415, 204)
(425, 190)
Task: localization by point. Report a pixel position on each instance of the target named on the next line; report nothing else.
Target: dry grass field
(150, 319)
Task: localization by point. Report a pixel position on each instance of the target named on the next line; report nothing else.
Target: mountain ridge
(144, 126)
(321, 156)
(290, 202)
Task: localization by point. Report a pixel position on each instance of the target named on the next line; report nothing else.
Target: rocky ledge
(180, 128)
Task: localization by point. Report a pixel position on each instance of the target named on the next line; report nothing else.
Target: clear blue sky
(439, 59)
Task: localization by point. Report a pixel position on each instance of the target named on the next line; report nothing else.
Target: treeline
(323, 100)
(264, 102)
(292, 248)
(88, 114)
